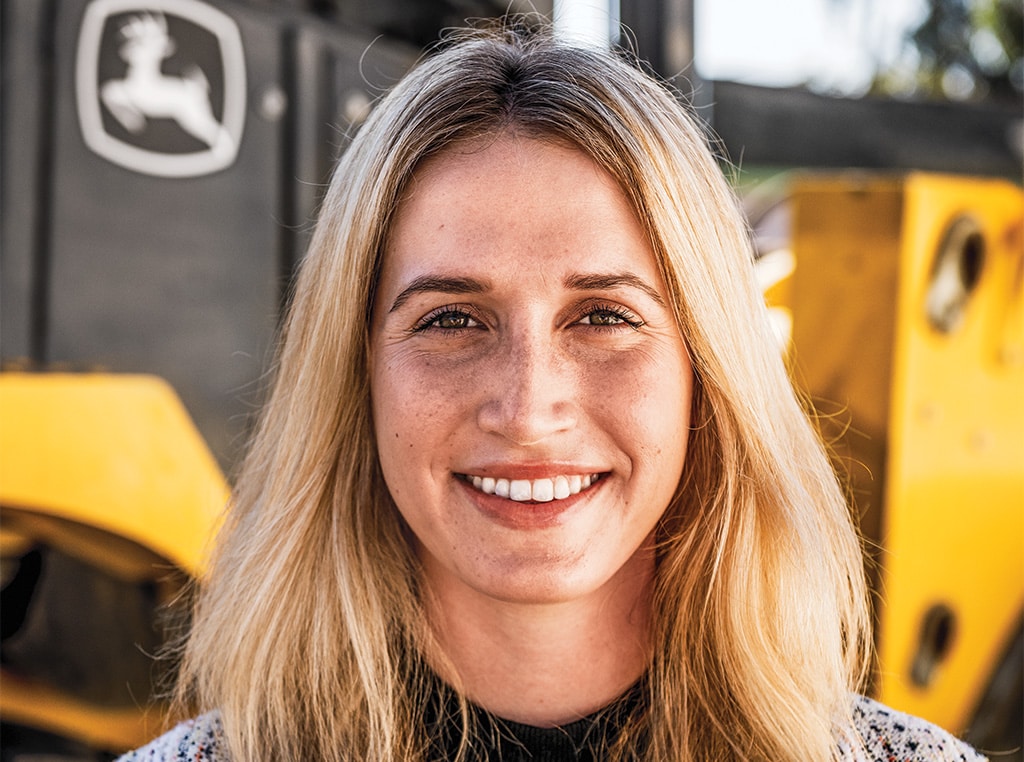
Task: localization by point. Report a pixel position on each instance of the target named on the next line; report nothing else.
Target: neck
(545, 664)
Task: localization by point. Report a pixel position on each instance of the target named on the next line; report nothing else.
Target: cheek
(414, 408)
(393, 421)
(418, 392)
(658, 399)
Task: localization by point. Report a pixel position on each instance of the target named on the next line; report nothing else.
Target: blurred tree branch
(963, 50)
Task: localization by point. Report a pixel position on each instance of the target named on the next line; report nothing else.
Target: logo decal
(161, 86)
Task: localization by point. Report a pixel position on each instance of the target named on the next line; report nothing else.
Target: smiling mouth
(533, 490)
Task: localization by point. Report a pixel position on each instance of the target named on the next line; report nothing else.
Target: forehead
(510, 196)
(512, 164)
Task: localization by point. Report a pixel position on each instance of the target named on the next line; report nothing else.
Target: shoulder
(198, 740)
(891, 735)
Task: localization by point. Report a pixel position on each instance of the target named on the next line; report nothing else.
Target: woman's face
(531, 392)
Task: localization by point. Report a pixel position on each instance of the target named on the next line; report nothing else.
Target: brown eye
(447, 319)
(454, 320)
(602, 317)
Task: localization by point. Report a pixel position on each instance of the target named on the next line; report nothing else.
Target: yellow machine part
(112, 452)
(908, 333)
(109, 470)
(111, 729)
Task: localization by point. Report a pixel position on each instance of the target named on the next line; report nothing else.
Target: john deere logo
(161, 86)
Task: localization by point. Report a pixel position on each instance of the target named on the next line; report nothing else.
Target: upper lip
(547, 470)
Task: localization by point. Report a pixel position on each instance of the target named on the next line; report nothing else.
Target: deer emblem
(147, 93)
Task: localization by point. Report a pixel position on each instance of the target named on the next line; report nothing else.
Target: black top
(494, 738)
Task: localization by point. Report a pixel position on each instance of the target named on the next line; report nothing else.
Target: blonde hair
(307, 627)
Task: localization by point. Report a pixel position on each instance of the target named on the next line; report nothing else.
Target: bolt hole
(971, 259)
(958, 267)
(935, 640)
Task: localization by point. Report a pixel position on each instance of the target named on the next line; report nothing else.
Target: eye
(602, 317)
(609, 316)
(447, 318)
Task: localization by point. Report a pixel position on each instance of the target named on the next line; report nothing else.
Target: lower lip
(517, 515)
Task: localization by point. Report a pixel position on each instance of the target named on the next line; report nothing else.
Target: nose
(532, 392)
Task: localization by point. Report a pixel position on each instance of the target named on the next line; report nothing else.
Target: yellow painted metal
(845, 239)
(112, 452)
(27, 702)
(933, 419)
(955, 530)
(111, 470)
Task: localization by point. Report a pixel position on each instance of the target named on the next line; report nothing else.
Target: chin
(544, 580)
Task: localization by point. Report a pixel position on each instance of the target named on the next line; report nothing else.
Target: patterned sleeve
(198, 740)
(891, 736)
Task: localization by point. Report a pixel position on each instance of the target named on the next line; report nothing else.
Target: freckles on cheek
(410, 406)
(661, 422)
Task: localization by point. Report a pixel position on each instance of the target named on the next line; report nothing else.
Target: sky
(832, 45)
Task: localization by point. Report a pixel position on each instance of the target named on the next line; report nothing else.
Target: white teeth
(560, 488)
(537, 490)
(543, 490)
(520, 490)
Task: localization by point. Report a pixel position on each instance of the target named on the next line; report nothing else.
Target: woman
(532, 482)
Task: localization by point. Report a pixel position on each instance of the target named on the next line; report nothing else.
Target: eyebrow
(606, 281)
(436, 284)
(588, 282)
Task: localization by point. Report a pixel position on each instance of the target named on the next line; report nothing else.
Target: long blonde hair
(306, 628)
